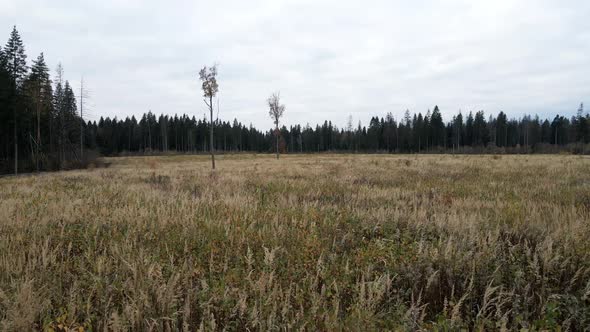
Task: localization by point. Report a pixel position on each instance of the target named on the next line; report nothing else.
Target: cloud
(329, 59)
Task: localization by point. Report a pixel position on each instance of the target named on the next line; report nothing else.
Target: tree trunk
(277, 136)
(61, 135)
(15, 130)
(81, 119)
(211, 133)
(15, 144)
(38, 132)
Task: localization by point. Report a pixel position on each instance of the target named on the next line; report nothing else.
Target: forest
(42, 127)
(408, 219)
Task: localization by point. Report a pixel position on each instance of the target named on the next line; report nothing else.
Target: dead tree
(276, 111)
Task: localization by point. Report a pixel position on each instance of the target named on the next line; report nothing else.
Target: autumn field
(309, 242)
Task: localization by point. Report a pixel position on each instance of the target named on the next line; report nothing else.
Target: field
(317, 242)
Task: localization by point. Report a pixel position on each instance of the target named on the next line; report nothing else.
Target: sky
(329, 59)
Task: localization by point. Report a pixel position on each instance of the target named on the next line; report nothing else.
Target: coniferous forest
(41, 127)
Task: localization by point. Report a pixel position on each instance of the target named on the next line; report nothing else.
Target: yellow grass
(313, 242)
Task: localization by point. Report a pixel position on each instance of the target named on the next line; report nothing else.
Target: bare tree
(276, 111)
(210, 88)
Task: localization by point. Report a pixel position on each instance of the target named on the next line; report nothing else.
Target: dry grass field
(318, 242)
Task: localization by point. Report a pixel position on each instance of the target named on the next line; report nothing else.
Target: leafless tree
(208, 75)
(276, 111)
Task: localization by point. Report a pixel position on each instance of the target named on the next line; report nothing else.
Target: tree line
(41, 127)
(39, 122)
(415, 133)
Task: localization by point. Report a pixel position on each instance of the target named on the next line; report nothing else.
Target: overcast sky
(329, 59)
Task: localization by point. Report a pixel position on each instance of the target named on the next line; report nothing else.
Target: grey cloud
(328, 58)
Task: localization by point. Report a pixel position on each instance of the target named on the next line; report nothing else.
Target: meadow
(307, 242)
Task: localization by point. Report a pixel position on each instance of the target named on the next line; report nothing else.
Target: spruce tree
(58, 106)
(481, 136)
(5, 116)
(438, 128)
(582, 125)
(458, 130)
(70, 122)
(469, 134)
(16, 60)
(39, 92)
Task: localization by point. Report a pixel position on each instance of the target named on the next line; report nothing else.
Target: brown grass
(324, 242)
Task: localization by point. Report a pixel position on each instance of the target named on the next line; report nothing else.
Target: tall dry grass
(304, 243)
